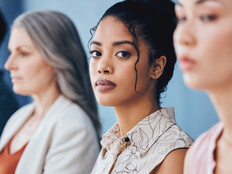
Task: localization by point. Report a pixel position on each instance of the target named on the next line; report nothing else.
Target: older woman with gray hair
(58, 132)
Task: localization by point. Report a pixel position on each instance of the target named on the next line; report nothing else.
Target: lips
(186, 63)
(104, 85)
(15, 79)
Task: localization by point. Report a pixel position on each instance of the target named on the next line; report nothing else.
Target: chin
(105, 102)
(195, 84)
(20, 91)
(105, 99)
(192, 86)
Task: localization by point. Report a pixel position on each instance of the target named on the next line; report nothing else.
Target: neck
(44, 100)
(130, 114)
(222, 100)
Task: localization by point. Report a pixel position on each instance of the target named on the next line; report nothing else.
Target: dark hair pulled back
(153, 22)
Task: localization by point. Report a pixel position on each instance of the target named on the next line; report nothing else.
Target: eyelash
(204, 18)
(24, 54)
(94, 51)
(128, 54)
(208, 18)
(181, 19)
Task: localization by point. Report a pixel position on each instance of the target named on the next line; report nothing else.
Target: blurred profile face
(30, 73)
(203, 42)
(112, 66)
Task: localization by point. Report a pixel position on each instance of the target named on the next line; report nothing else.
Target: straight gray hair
(56, 38)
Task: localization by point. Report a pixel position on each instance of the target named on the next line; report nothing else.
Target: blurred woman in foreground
(203, 43)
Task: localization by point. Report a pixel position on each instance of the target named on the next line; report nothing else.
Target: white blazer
(64, 143)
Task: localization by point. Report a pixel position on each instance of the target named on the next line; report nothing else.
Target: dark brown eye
(123, 54)
(208, 18)
(181, 19)
(95, 53)
(24, 54)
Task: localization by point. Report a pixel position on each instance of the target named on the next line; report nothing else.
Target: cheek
(217, 50)
(218, 40)
(41, 74)
(143, 75)
(127, 81)
(92, 70)
(224, 44)
(126, 74)
(43, 71)
(31, 72)
(175, 37)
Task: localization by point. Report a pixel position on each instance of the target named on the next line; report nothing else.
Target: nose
(184, 34)
(105, 67)
(10, 63)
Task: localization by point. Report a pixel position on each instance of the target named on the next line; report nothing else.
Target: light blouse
(144, 147)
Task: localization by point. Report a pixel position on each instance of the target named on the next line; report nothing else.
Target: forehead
(113, 27)
(19, 36)
(201, 2)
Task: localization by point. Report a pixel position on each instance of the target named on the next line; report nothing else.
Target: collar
(142, 136)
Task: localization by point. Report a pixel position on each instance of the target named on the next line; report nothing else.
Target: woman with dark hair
(58, 132)
(132, 61)
(203, 44)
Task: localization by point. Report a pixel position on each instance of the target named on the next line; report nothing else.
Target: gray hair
(56, 38)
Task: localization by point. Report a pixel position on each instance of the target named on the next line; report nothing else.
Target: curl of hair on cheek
(131, 29)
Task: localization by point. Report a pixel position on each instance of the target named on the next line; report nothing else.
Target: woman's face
(30, 73)
(203, 42)
(112, 66)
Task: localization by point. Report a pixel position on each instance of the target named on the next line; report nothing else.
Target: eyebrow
(202, 1)
(179, 4)
(96, 43)
(197, 2)
(114, 43)
(123, 42)
(20, 47)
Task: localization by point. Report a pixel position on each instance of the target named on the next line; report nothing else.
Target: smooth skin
(168, 166)
(204, 36)
(113, 58)
(30, 75)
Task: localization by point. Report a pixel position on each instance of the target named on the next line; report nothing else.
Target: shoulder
(69, 113)
(204, 145)
(201, 145)
(171, 134)
(68, 129)
(26, 108)
(69, 120)
(16, 119)
(171, 148)
(209, 135)
(173, 162)
(174, 138)
(20, 113)
(199, 155)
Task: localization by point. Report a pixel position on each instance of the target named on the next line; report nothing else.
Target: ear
(158, 67)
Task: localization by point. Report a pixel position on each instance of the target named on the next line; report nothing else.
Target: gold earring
(154, 68)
